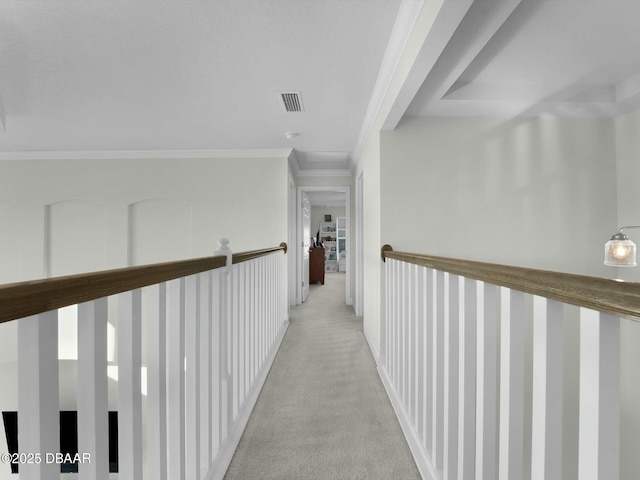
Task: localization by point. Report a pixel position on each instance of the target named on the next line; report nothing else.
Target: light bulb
(621, 252)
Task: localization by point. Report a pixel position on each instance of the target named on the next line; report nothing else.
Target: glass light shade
(620, 252)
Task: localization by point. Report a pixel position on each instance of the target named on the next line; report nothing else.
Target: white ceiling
(190, 75)
(327, 198)
(138, 76)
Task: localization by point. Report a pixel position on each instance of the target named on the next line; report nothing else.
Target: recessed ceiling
(190, 75)
(562, 57)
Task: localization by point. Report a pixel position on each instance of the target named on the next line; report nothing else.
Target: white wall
(532, 192)
(368, 165)
(67, 216)
(628, 160)
(144, 206)
(318, 213)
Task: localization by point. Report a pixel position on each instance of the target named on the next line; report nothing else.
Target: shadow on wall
(516, 192)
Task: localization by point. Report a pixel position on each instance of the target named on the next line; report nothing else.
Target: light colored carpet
(323, 412)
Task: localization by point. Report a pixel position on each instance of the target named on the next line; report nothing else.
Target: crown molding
(145, 154)
(324, 173)
(402, 29)
(293, 161)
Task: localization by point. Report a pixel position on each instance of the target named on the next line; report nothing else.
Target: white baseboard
(372, 347)
(225, 455)
(423, 461)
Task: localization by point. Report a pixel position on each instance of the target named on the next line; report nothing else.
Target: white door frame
(298, 253)
(293, 242)
(359, 246)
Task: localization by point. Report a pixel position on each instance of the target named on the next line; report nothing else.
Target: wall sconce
(620, 251)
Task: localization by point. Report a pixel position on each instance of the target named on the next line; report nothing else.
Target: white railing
(209, 339)
(458, 339)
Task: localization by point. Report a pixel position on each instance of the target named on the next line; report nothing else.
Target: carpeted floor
(323, 412)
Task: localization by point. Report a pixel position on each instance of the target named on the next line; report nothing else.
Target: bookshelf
(329, 241)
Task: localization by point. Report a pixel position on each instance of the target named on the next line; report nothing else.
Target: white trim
(292, 256)
(293, 161)
(145, 154)
(423, 462)
(359, 245)
(402, 28)
(374, 351)
(324, 173)
(446, 21)
(347, 191)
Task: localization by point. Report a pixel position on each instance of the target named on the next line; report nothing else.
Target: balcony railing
(472, 358)
(194, 340)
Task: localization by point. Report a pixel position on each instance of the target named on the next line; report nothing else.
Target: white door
(306, 243)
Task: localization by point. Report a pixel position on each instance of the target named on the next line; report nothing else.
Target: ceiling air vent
(291, 101)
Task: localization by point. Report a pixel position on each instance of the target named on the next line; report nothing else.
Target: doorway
(330, 208)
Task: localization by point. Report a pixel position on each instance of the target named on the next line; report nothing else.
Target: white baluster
(252, 321)
(192, 377)
(420, 346)
(275, 288)
(93, 419)
(467, 379)
(225, 346)
(548, 352)
(429, 357)
(451, 371)
(404, 324)
(599, 435)
(129, 384)
(235, 340)
(486, 383)
(397, 328)
(438, 371)
(265, 318)
(216, 365)
(261, 313)
(270, 296)
(247, 329)
(157, 381)
(511, 385)
(206, 350)
(241, 275)
(38, 409)
(385, 331)
(390, 322)
(409, 335)
(175, 379)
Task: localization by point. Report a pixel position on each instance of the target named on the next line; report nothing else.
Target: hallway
(323, 412)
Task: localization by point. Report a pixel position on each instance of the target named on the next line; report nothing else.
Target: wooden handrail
(244, 256)
(23, 299)
(617, 297)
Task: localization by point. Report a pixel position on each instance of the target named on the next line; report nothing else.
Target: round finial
(284, 246)
(223, 247)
